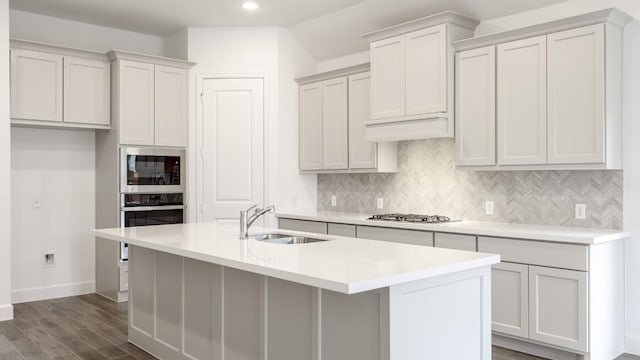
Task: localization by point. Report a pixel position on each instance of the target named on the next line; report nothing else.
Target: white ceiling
(327, 28)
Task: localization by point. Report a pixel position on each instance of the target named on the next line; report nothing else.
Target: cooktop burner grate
(416, 218)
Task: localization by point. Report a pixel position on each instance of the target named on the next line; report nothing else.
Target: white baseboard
(52, 292)
(6, 312)
(632, 345)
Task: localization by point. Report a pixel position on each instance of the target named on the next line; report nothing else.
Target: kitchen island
(198, 292)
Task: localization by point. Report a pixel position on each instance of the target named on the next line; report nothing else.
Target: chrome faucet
(246, 220)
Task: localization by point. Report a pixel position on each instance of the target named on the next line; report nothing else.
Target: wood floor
(92, 328)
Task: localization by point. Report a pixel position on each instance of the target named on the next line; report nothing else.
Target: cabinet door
(475, 107)
(558, 307)
(426, 71)
(87, 91)
(388, 78)
(335, 136)
(576, 96)
(311, 126)
(522, 102)
(510, 299)
(36, 85)
(171, 106)
(362, 154)
(136, 102)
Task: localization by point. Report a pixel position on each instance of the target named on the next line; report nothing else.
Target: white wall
(47, 29)
(176, 45)
(56, 170)
(272, 53)
(6, 310)
(631, 152)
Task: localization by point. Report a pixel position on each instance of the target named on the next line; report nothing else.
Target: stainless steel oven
(152, 170)
(150, 209)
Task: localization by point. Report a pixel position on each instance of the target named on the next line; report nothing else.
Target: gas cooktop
(414, 218)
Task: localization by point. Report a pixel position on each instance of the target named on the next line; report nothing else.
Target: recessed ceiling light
(250, 5)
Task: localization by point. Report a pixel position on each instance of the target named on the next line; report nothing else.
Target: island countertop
(343, 264)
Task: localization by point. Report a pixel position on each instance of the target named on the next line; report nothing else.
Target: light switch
(380, 203)
(334, 200)
(581, 211)
(488, 207)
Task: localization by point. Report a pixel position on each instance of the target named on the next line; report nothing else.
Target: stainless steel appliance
(152, 170)
(149, 209)
(414, 218)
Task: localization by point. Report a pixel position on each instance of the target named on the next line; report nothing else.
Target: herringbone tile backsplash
(428, 182)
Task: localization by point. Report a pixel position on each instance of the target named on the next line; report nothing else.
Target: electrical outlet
(49, 260)
(488, 207)
(334, 200)
(379, 203)
(581, 211)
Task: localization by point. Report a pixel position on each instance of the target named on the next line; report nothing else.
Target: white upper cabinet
(335, 138)
(311, 127)
(53, 86)
(559, 95)
(171, 106)
(475, 107)
(136, 106)
(333, 109)
(426, 71)
(388, 74)
(36, 85)
(87, 91)
(362, 153)
(522, 102)
(412, 78)
(577, 95)
(152, 105)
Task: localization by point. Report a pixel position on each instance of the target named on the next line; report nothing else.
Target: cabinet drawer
(341, 229)
(303, 225)
(564, 256)
(396, 235)
(455, 241)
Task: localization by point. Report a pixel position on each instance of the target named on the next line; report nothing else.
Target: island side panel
(447, 317)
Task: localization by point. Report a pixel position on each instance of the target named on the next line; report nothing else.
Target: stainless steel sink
(284, 239)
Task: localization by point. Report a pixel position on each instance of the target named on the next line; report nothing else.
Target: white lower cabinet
(510, 299)
(414, 237)
(303, 225)
(558, 307)
(454, 241)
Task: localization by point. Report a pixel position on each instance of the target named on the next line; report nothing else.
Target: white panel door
(388, 78)
(426, 70)
(36, 85)
(87, 91)
(311, 126)
(136, 102)
(335, 124)
(510, 299)
(362, 154)
(522, 102)
(558, 307)
(171, 106)
(475, 107)
(231, 170)
(576, 80)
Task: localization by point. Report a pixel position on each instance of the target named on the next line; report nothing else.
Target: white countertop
(565, 234)
(345, 265)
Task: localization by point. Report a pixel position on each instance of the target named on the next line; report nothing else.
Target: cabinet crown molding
(355, 69)
(56, 49)
(152, 59)
(445, 17)
(611, 16)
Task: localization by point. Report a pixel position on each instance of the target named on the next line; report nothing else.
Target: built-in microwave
(152, 170)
